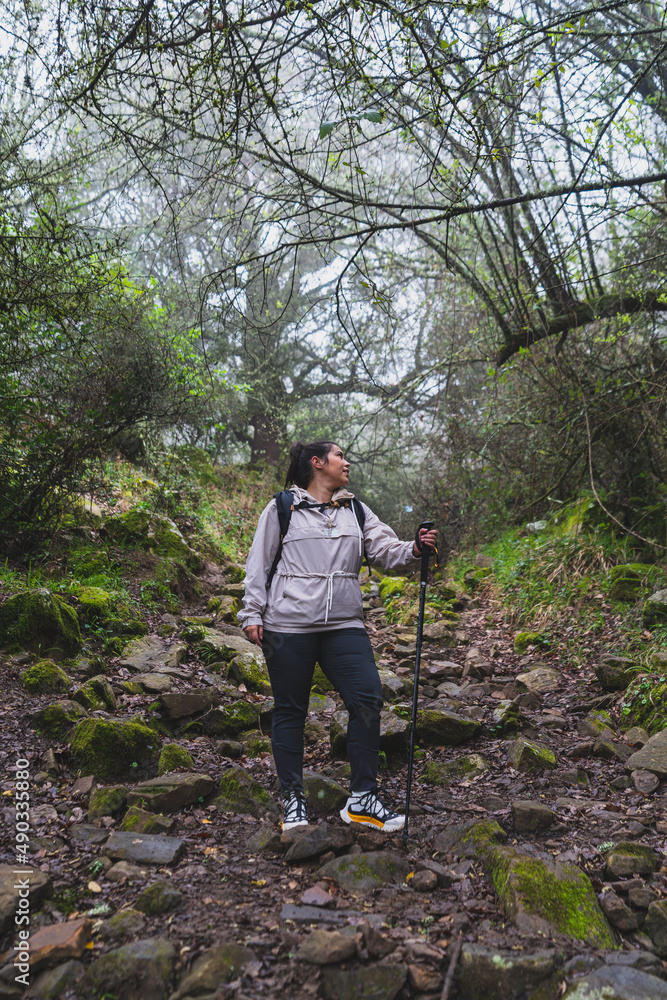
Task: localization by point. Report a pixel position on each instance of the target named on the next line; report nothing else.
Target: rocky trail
(157, 868)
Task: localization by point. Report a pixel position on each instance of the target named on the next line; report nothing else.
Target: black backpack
(285, 504)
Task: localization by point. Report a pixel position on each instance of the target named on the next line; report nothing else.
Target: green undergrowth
(561, 586)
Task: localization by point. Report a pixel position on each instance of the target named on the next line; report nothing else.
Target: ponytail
(300, 469)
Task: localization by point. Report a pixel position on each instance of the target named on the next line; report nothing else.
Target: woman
(311, 612)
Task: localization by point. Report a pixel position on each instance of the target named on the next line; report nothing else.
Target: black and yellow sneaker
(294, 809)
(367, 808)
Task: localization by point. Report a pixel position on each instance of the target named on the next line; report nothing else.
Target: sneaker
(367, 808)
(294, 808)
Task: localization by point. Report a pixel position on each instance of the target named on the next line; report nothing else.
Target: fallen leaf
(94, 887)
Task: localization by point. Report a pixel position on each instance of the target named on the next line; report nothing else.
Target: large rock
(444, 728)
(529, 816)
(529, 756)
(213, 645)
(58, 942)
(57, 719)
(655, 925)
(147, 530)
(615, 982)
(540, 680)
(322, 947)
(151, 653)
(52, 984)
(112, 748)
(186, 703)
(311, 841)
(437, 773)
(655, 610)
(38, 885)
(96, 693)
(38, 620)
(45, 677)
(626, 859)
(248, 669)
(228, 720)
(160, 897)
(542, 897)
(489, 974)
(364, 872)
(239, 793)
(323, 795)
(171, 792)
(614, 673)
(138, 971)
(144, 848)
(213, 968)
(652, 756)
(373, 982)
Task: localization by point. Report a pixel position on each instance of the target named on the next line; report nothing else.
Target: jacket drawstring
(329, 577)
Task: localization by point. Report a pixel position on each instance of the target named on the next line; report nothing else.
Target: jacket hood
(302, 494)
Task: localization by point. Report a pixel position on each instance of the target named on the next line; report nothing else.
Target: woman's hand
(427, 537)
(255, 633)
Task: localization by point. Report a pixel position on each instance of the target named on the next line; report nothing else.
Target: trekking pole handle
(426, 552)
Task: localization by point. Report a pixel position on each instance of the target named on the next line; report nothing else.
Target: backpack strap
(285, 505)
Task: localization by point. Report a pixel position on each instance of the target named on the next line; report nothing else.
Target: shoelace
(371, 804)
(295, 807)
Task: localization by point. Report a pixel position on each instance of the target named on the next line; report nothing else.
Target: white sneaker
(294, 809)
(368, 809)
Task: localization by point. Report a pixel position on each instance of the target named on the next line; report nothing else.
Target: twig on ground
(449, 978)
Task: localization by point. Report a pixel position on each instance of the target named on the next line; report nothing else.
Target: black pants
(346, 657)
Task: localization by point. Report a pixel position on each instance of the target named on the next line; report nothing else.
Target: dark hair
(300, 469)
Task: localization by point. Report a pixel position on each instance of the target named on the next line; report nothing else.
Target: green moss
(113, 749)
(126, 622)
(172, 757)
(522, 640)
(565, 900)
(161, 897)
(239, 793)
(41, 621)
(96, 693)
(645, 704)
(600, 720)
(94, 603)
(214, 605)
(249, 670)
(321, 683)
(392, 586)
(481, 838)
(107, 801)
(57, 719)
(256, 743)
(44, 677)
(436, 773)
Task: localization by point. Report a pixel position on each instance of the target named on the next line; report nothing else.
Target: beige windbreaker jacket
(316, 585)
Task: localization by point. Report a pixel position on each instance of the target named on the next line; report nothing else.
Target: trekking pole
(426, 554)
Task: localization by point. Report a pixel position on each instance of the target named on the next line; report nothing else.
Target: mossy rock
(41, 621)
(160, 897)
(57, 720)
(522, 640)
(614, 673)
(583, 514)
(255, 743)
(125, 623)
(44, 677)
(137, 820)
(146, 530)
(94, 603)
(239, 793)
(630, 580)
(228, 720)
(474, 578)
(96, 693)
(391, 587)
(323, 795)
(173, 757)
(546, 898)
(655, 610)
(443, 773)
(628, 858)
(107, 801)
(530, 756)
(645, 704)
(320, 683)
(505, 719)
(250, 671)
(113, 749)
(443, 728)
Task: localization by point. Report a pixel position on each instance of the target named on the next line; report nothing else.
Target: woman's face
(334, 470)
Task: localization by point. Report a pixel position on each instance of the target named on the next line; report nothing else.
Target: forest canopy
(434, 231)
